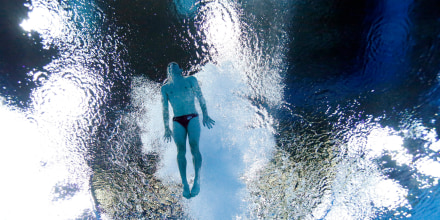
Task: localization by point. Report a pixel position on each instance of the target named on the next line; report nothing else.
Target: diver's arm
(199, 96)
(166, 115)
(207, 121)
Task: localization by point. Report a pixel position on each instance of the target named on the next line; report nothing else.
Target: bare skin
(181, 92)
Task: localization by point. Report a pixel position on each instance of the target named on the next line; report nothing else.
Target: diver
(181, 92)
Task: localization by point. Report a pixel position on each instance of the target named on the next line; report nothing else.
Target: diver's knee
(181, 156)
(194, 148)
(196, 154)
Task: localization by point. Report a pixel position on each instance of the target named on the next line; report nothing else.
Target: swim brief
(184, 119)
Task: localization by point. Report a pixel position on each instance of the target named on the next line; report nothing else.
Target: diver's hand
(168, 134)
(208, 122)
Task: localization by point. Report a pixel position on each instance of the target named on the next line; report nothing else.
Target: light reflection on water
(52, 171)
(363, 171)
(35, 167)
(75, 162)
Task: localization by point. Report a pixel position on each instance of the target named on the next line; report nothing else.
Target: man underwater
(181, 92)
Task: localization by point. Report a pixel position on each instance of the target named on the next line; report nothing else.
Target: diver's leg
(193, 137)
(179, 136)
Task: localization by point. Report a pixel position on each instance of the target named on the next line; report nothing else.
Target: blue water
(323, 109)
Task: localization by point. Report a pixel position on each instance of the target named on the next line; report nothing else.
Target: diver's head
(173, 70)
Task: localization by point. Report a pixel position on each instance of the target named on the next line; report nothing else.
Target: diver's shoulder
(165, 87)
(192, 80)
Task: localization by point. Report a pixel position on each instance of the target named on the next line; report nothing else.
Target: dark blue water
(324, 109)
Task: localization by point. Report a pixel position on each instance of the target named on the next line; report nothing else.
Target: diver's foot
(186, 192)
(195, 189)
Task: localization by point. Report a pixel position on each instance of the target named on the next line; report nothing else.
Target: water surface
(323, 109)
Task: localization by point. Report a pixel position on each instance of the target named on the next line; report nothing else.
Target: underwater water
(323, 109)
